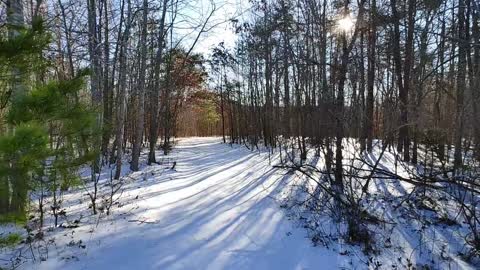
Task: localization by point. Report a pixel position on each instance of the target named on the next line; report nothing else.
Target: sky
(221, 27)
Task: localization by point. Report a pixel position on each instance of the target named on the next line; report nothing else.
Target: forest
(230, 134)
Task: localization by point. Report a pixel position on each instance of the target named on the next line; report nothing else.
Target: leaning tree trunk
(339, 104)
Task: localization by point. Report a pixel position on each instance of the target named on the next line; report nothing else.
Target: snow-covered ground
(220, 208)
(217, 210)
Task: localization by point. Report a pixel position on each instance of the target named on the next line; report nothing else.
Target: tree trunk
(476, 83)
(13, 199)
(95, 89)
(138, 131)
(107, 89)
(372, 39)
(122, 85)
(461, 85)
(155, 91)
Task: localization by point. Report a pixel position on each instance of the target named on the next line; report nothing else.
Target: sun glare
(345, 24)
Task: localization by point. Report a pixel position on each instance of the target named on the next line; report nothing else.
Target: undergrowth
(10, 240)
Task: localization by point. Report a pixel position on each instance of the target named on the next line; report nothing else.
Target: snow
(219, 209)
(216, 211)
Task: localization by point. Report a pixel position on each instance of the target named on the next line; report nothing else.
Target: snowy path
(215, 212)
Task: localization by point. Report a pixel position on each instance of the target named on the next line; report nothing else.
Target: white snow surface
(217, 210)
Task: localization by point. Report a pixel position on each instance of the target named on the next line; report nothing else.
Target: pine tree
(49, 127)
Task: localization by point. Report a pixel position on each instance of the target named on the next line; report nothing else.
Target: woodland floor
(219, 209)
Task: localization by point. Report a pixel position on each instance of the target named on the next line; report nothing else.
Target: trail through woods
(360, 127)
(226, 207)
(216, 211)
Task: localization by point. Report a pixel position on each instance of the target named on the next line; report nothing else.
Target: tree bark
(461, 85)
(155, 91)
(11, 200)
(122, 85)
(372, 38)
(140, 100)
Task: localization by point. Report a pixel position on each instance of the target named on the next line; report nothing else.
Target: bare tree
(140, 99)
